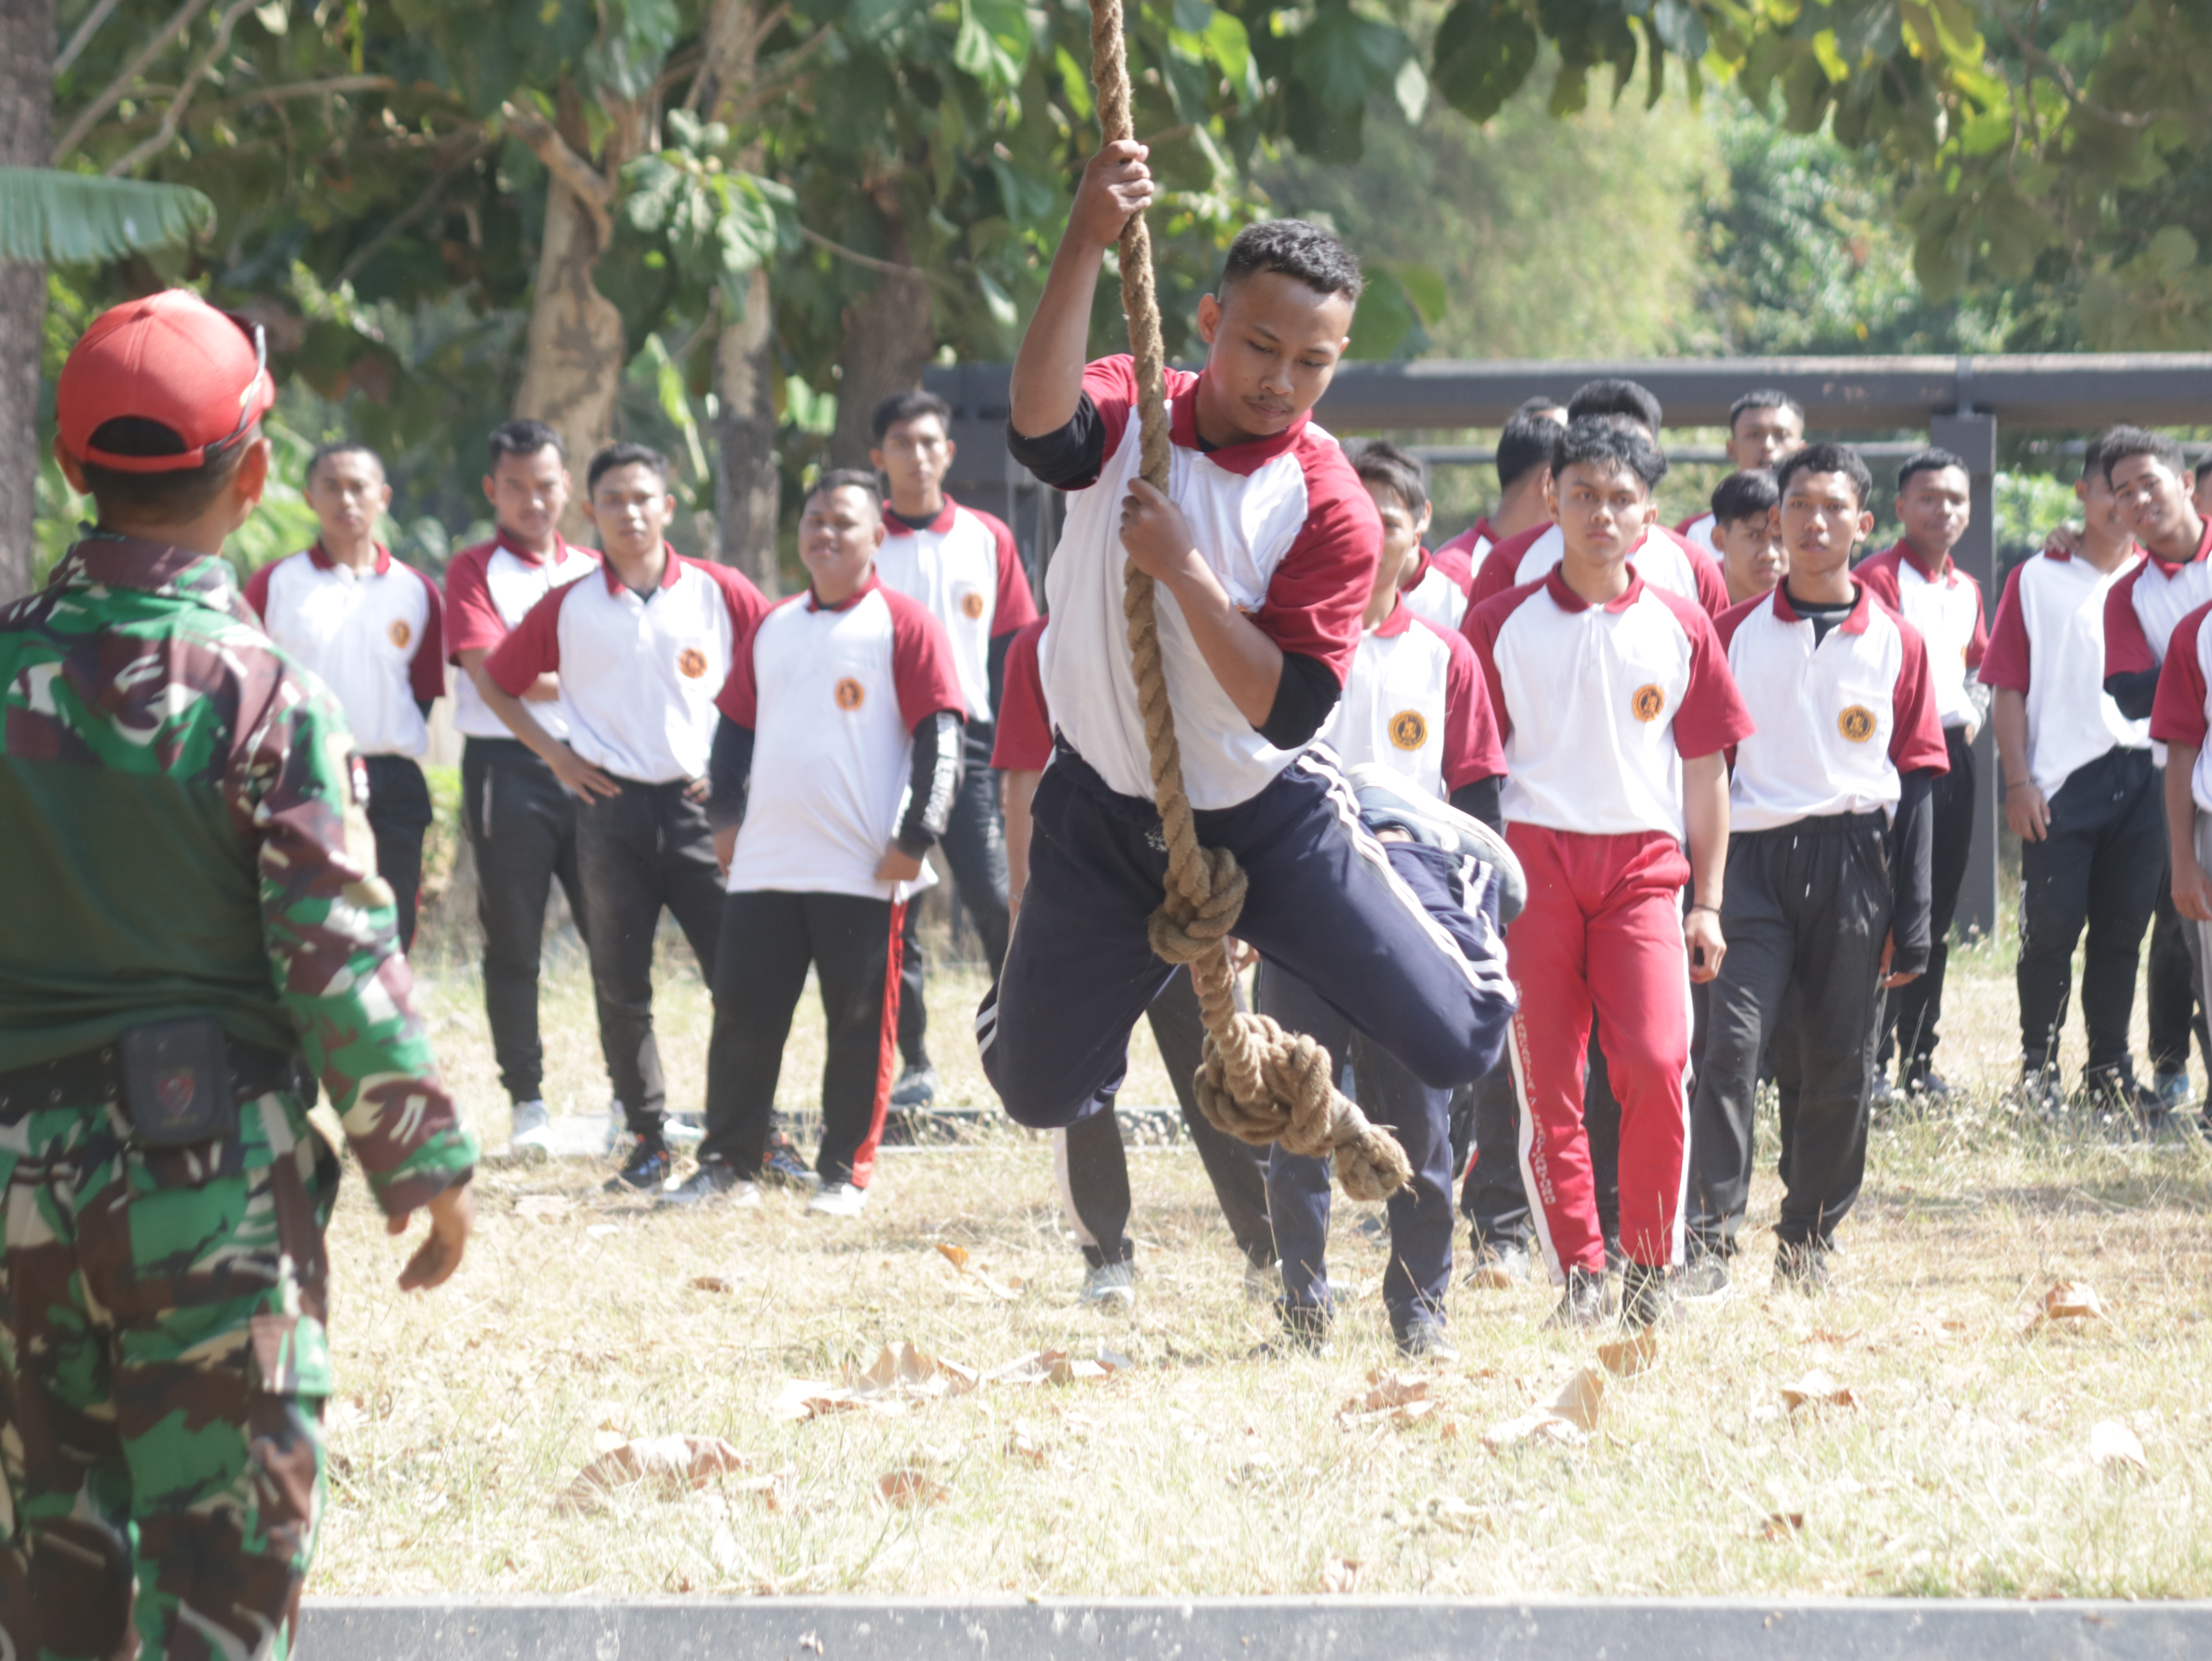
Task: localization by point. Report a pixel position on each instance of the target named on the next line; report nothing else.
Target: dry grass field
(1961, 1461)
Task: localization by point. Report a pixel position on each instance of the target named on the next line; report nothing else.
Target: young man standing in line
(1088, 1159)
(1414, 712)
(641, 649)
(1616, 703)
(2080, 793)
(1827, 876)
(521, 822)
(371, 628)
(2180, 719)
(1524, 473)
(1764, 427)
(1916, 578)
(961, 565)
(2151, 487)
(1746, 540)
(1263, 550)
(836, 762)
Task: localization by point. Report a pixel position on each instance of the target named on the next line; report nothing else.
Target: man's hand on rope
(1157, 537)
(1116, 185)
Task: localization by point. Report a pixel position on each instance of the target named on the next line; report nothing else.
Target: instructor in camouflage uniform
(192, 929)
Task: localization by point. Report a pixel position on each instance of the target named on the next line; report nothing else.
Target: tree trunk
(748, 496)
(27, 140)
(887, 343)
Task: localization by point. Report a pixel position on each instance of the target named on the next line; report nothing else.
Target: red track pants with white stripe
(1602, 930)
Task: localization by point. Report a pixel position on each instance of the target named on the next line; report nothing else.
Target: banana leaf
(58, 218)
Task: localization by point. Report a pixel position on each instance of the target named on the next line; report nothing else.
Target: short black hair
(2120, 443)
(1623, 398)
(170, 498)
(1378, 461)
(1297, 249)
(1608, 443)
(625, 455)
(1526, 444)
(846, 479)
(1826, 459)
(1751, 494)
(1764, 398)
(1932, 460)
(1540, 405)
(340, 447)
(910, 405)
(523, 438)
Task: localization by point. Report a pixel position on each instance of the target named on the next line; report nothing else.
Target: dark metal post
(1974, 438)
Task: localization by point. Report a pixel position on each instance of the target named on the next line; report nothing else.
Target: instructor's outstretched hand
(453, 1214)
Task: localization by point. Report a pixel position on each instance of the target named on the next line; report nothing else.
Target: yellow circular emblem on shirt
(400, 634)
(1856, 723)
(971, 605)
(1647, 704)
(850, 695)
(691, 662)
(1408, 729)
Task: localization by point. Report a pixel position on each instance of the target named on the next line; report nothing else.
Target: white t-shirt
(1415, 702)
(375, 640)
(2048, 642)
(490, 588)
(964, 568)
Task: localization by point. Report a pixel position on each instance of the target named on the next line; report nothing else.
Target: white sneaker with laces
(838, 1200)
(1111, 1288)
(532, 1129)
(683, 1130)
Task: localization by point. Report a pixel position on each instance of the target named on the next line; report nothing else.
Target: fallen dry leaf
(977, 1274)
(1579, 1403)
(1629, 1356)
(901, 1377)
(907, 1487)
(2071, 1304)
(1386, 1390)
(712, 1283)
(1022, 1446)
(1782, 1524)
(671, 1465)
(1817, 1390)
(1340, 1574)
(1057, 1367)
(1541, 1428)
(2113, 1446)
(955, 1255)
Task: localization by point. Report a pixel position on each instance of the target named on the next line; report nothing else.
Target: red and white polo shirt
(639, 672)
(1415, 702)
(1841, 719)
(833, 695)
(1698, 531)
(2183, 712)
(2048, 643)
(2144, 607)
(1663, 559)
(490, 588)
(1598, 703)
(1023, 743)
(1286, 527)
(375, 640)
(1436, 593)
(963, 567)
(1946, 606)
(1464, 555)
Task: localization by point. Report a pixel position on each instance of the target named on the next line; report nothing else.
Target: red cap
(170, 358)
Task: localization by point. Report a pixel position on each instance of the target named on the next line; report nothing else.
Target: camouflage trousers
(163, 1366)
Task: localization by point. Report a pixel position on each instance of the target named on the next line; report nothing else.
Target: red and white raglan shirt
(963, 565)
(1661, 558)
(2140, 614)
(1462, 557)
(639, 672)
(490, 586)
(2048, 644)
(374, 639)
(1023, 743)
(1415, 702)
(1284, 525)
(1698, 531)
(2183, 713)
(1945, 604)
(833, 696)
(1435, 594)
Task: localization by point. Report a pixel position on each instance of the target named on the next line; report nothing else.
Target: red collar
(1853, 623)
(1568, 600)
(1904, 549)
(323, 561)
(906, 527)
(561, 549)
(1244, 460)
(671, 570)
(1400, 620)
(2203, 549)
(850, 601)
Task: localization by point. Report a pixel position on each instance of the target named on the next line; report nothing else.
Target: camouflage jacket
(181, 833)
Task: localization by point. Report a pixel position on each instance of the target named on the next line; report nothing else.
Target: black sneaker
(1424, 1338)
(1305, 1331)
(783, 1168)
(712, 1181)
(916, 1086)
(1644, 1296)
(1583, 1304)
(645, 1170)
(1802, 1267)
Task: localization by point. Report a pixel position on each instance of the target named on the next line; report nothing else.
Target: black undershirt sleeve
(1305, 697)
(1912, 846)
(932, 783)
(2134, 693)
(1067, 458)
(994, 670)
(729, 774)
(424, 705)
(1480, 799)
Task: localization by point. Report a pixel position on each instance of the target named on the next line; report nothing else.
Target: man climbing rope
(1246, 578)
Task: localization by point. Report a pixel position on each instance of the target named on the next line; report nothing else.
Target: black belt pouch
(176, 1082)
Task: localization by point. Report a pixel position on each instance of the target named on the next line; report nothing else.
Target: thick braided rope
(1257, 1082)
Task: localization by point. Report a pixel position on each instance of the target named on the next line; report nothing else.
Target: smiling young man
(1916, 578)
(1264, 550)
(372, 628)
(963, 568)
(836, 761)
(521, 823)
(1827, 896)
(1616, 703)
(1764, 427)
(641, 649)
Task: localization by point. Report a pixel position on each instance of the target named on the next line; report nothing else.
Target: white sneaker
(683, 1130)
(838, 1200)
(530, 1136)
(1111, 1288)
